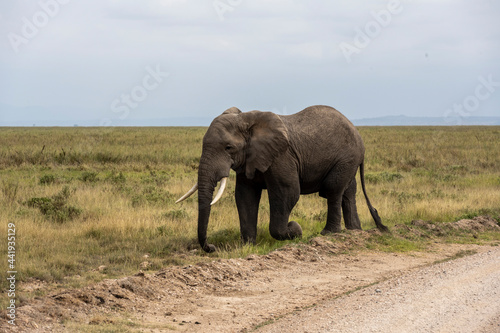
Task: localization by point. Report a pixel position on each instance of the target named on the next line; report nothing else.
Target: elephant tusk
(188, 194)
(221, 190)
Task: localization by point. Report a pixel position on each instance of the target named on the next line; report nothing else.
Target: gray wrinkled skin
(315, 150)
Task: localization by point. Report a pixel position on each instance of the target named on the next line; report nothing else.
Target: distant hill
(60, 117)
(426, 121)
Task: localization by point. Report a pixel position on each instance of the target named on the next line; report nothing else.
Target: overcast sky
(113, 62)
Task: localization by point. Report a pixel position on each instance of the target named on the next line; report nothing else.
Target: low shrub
(56, 208)
(89, 177)
(47, 179)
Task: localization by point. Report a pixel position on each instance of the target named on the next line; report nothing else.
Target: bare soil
(458, 296)
(240, 295)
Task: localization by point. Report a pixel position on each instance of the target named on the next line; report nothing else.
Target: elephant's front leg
(247, 201)
(282, 198)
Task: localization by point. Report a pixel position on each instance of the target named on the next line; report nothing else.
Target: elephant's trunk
(208, 176)
(203, 217)
(205, 191)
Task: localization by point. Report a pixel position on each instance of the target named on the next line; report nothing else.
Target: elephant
(315, 150)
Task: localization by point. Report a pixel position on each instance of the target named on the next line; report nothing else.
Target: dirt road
(293, 289)
(457, 296)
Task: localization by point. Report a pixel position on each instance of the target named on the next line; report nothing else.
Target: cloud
(279, 54)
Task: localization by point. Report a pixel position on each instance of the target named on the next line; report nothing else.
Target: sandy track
(457, 296)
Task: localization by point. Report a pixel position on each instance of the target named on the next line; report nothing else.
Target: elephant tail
(373, 211)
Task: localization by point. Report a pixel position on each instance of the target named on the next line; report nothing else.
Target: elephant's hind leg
(334, 188)
(334, 218)
(349, 210)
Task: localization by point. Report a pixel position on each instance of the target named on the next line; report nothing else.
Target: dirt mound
(338, 243)
(477, 224)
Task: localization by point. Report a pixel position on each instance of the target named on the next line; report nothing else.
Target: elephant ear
(268, 139)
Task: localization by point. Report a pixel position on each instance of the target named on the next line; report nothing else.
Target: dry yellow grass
(124, 182)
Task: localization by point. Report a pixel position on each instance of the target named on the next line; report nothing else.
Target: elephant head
(245, 142)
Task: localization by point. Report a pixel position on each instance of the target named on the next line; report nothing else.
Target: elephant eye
(230, 149)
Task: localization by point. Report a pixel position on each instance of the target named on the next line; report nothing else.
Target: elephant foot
(326, 231)
(249, 240)
(352, 223)
(209, 248)
(294, 230)
(353, 227)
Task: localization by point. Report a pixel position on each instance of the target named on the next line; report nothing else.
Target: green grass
(458, 255)
(82, 198)
(108, 324)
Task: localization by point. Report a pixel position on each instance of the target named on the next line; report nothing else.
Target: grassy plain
(94, 203)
